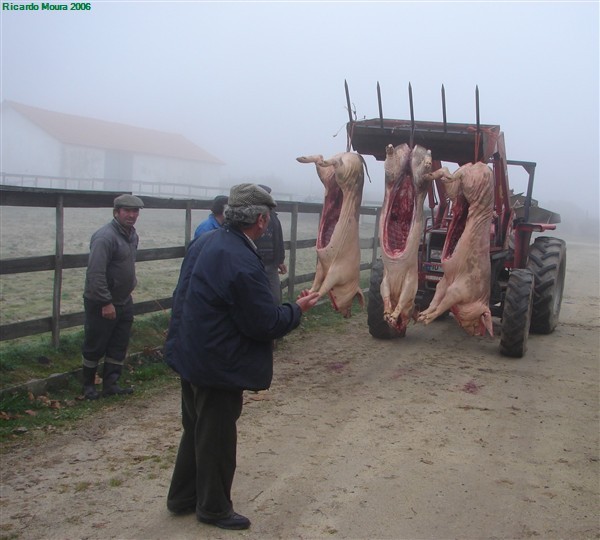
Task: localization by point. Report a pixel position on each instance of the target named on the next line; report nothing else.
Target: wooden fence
(143, 188)
(59, 261)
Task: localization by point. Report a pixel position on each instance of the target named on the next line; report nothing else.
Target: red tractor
(527, 278)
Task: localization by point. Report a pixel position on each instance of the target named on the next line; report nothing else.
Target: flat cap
(128, 201)
(250, 195)
(266, 188)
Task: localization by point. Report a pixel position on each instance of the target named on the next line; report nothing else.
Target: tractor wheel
(378, 328)
(516, 316)
(548, 262)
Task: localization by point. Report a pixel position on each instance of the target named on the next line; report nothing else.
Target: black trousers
(106, 337)
(206, 459)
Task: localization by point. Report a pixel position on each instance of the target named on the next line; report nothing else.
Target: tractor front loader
(527, 279)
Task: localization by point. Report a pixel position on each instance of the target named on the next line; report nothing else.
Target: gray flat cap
(128, 201)
(250, 195)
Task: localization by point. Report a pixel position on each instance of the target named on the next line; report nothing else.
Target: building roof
(91, 132)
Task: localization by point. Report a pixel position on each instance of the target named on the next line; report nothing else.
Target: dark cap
(128, 201)
(218, 204)
(250, 195)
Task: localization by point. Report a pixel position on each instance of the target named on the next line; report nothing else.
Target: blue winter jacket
(207, 225)
(223, 318)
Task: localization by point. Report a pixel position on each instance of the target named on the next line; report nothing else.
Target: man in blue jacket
(216, 217)
(223, 321)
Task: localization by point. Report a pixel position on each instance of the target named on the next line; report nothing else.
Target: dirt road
(435, 436)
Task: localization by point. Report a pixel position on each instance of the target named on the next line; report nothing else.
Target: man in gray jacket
(109, 282)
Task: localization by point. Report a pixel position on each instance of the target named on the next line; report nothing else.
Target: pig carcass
(401, 229)
(465, 287)
(338, 249)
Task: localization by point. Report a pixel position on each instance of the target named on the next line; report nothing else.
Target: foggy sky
(258, 84)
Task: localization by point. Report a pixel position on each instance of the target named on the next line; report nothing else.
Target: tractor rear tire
(516, 315)
(378, 327)
(548, 262)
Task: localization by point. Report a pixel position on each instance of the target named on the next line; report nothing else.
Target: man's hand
(307, 300)
(282, 268)
(109, 312)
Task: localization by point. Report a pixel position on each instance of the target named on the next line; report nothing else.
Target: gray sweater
(110, 276)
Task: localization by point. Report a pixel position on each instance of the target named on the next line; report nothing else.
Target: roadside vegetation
(25, 414)
(28, 415)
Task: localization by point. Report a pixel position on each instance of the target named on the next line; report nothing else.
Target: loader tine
(477, 105)
(444, 108)
(478, 133)
(348, 101)
(412, 116)
(348, 131)
(380, 107)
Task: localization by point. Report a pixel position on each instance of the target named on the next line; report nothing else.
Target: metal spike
(444, 108)
(380, 107)
(348, 101)
(477, 105)
(412, 116)
(478, 134)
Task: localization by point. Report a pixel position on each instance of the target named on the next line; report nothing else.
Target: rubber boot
(112, 373)
(89, 383)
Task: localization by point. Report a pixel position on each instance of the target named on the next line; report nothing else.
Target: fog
(258, 84)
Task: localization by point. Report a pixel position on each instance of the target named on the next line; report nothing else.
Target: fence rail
(61, 199)
(140, 187)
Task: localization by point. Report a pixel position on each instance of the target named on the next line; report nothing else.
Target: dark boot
(89, 383)
(112, 373)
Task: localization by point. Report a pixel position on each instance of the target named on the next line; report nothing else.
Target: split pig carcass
(400, 231)
(465, 286)
(338, 249)
(524, 283)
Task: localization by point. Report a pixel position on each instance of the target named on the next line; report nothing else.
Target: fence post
(376, 237)
(58, 270)
(293, 250)
(188, 223)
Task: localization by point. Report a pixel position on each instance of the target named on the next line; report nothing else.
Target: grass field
(32, 358)
(27, 232)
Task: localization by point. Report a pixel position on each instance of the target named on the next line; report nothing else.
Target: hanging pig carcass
(465, 287)
(524, 282)
(338, 250)
(400, 232)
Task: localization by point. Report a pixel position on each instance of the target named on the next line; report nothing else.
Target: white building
(42, 148)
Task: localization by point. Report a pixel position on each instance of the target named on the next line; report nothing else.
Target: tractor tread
(547, 260)
(516, 315)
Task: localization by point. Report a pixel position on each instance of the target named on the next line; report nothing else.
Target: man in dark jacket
(272, 252)
(219, 341)
(109, 282)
